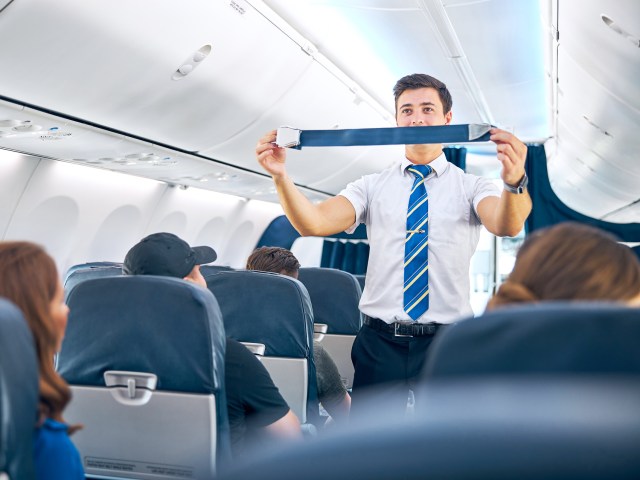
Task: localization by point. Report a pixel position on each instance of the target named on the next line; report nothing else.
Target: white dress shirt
(380, 201)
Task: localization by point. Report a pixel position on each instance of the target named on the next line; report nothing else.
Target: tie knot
(420, 170)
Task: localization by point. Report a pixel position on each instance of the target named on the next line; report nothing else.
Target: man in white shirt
(391, 347)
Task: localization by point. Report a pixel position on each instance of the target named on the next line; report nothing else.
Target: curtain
(457, 156)
(548, 209)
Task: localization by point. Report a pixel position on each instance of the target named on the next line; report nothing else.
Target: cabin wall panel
(15, 171)
(70, 211)
(82, 214)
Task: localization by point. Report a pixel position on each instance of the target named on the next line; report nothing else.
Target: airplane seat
(83, 266)
(144, 356)
(548, 338)
(361, 280)
(335, 295)
(212, 269)
(77, 275)
(566, 428)
(19, 388)
(274, 310)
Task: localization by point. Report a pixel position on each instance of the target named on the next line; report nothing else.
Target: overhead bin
(40, 134)
(112, 63)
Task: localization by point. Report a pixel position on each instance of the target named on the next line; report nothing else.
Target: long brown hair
(571, 261)
(29, 278)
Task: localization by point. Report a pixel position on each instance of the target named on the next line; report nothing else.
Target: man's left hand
(512, 153)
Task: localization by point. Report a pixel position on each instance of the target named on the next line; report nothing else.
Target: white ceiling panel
(77, 65)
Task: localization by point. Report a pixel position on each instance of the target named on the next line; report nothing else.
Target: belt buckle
(396, 326)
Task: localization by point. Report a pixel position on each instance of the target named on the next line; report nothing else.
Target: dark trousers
(386, 368)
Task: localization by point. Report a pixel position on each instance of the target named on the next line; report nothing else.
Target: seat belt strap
(294, 138)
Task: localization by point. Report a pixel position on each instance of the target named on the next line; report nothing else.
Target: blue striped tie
(416, 255)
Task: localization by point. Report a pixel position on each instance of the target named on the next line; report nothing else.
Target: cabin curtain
(457, 156)
(548, 209)
(348, 256)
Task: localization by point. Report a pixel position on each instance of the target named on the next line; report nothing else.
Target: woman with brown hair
(571, 261)
(29, 278)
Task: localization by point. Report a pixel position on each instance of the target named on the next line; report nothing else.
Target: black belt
(403, 329)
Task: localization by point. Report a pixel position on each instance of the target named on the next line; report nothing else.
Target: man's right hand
(270, 156)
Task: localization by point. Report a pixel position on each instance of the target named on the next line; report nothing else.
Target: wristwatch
(518, 189)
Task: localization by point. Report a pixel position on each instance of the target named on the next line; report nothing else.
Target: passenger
(571, 261)
(255, 407)
(331, 391)
(29, 278)
(404, 307)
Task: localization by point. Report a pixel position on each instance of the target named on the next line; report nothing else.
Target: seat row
(144, 356)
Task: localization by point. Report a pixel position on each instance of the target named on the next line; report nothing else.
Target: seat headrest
(18, 393)
(335, 295)
(81, 274)
(160, 325)
(551, 337)
(268, 308)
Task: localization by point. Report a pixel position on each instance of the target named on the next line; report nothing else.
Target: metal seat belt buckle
(288, 137)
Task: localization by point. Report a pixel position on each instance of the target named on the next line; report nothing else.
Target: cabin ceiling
(181, 91)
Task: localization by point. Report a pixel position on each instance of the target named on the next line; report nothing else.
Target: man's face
(421, 107)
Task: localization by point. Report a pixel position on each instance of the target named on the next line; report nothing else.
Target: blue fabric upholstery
(272, 309)
(212, 269)
(18, 393)
(335, 296)
(84, 266)
(361, 279)
(555, 430)
(78, 275)
(160, 325)
(548, 338)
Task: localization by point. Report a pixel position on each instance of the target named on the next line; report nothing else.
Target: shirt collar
(439, 165)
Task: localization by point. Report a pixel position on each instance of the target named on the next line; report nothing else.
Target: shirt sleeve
(482, 188)
(55, 456)
(356, 193)
(260, 397)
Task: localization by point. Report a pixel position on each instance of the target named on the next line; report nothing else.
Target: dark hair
(273, 259)
(421, 80)
(571, 261)
(29, 278)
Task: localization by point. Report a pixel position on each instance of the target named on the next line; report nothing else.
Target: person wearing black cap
(255, 407)
(167, 255)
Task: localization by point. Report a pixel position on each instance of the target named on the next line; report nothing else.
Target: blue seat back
(84, 266)
(160, 325)
(568, 429)
(272, 309)
(213, 269)
(335, 295)
(549, 338)
(18, 393)
(78, 275)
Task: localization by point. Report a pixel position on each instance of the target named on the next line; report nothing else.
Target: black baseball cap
(165, 254)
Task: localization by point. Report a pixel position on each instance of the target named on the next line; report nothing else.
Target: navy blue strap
(294, 138)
